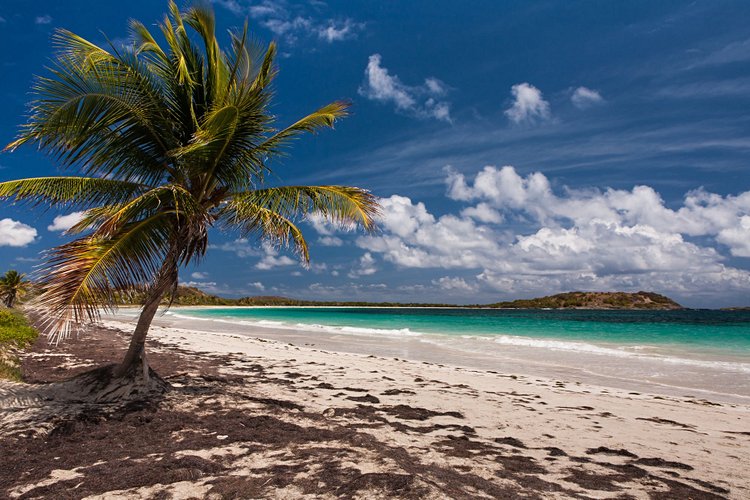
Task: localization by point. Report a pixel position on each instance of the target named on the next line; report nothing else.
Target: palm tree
(12, 286)
(170, 142)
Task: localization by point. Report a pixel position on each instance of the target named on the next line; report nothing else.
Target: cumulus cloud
(242, 247)
(272, 259)
(449, 283)
(528, 105)
(584, 97)
(701, 214)
(324, 226)
(199, 276)
(258, 285)
(330, 241)
(45, 19)
(483, 213)
(15, 234)
(65, 222)
(737, 238)
(575, 239)
(365, 267)
(269, 255)
(422, 101)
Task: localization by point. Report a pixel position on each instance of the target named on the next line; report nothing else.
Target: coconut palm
(170, 141)
(12, 286)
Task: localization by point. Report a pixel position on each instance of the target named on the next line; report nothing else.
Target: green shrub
(15, 330)
(15, 333)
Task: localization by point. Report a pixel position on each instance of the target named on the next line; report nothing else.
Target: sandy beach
(251, 417)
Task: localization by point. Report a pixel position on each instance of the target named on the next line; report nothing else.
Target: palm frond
(101, 111)
(169, 198)
(270, 213)
(324, 117)
(267, 72)
(70, 191)
(170, 137)
(88, 274)
(339, 204)
(266, 225)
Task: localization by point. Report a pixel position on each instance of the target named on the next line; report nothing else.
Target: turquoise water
(697, 332)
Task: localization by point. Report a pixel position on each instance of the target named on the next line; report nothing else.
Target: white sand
(712, 438)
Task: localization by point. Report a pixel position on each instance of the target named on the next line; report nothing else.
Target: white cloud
(366, 266)
(233, 6)
(579, 239)
(294, 22)
(65, 222)
(421, 101)
(27, 259)
(272, 259)
(701, 214)
(318, 267)
(435, 86)
(242, 247)
(584, 97)
(337, 31)
(199, 276)
(737, 238)
(448, 283)
(15, 234)
(257, 284)
(269, 256)
(324, 226)
(45, 19)
(330, 241)
(288, 27)
(528, 105)
(266, 9)
(207, 286)
(483, 213)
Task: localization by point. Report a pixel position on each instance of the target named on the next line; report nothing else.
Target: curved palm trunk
(136, 354)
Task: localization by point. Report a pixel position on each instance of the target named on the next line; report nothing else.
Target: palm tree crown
(12, 285)
(171, 142)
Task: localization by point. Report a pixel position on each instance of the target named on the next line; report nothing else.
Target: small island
(191, 296)
(595, 300)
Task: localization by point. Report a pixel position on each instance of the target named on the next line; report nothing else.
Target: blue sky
(520, 148)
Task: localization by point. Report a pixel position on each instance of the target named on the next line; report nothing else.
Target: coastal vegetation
(15, 334)
(171, 139)
(191, 296)
(13, 285)
(594, 300)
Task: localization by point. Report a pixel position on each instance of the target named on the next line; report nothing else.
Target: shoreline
(608, 367)
(456, 306)
(249, 416)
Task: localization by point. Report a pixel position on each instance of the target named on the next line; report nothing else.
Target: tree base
(94, 395)
(105, 385)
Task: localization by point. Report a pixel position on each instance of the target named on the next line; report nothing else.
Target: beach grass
(15, 333)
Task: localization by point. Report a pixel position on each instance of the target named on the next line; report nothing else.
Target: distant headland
(594, 300)
(191, 296)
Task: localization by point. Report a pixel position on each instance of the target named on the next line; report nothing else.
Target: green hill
(594, 300)
(191, 296)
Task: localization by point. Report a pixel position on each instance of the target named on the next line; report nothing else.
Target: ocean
(704, 349)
